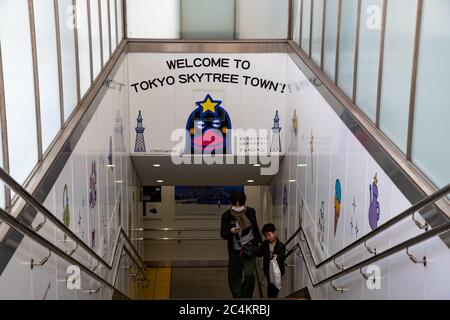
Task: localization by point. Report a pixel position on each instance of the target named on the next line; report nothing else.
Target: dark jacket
(279, 250)
(228, 222)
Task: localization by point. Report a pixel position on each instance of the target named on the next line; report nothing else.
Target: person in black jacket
(240, 228)
(270, 248)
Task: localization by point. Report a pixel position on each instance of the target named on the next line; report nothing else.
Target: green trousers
(238, 268)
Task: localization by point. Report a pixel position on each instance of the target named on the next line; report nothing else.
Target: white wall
(339, 155)
(18, 280)
(167, 107)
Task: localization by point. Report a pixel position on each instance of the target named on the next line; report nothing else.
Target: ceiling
(196, 174)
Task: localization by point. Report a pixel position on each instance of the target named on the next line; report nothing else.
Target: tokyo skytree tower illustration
(276, 138)
(140, 142)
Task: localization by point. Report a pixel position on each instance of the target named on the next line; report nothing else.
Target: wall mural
(285, 200)
(337, 203)
(207, 127)
(140, 141)
(118, 133)
(301, 211)
(311, 148)
(110, 154)
(294, 133)
(80, 229)
(215, 91)
(93, 185)
(354, 221)
(285, 212)
(374, 208)
(93, 199)
(105, 242)
(119, 212)
(66, 212)
(276, 137)
(321, 226)
(295, 123)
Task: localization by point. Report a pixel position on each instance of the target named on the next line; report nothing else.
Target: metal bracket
(367, 275)
(416, 260)
(337, 289)
(302, 237)
(340, 267)
(70, 253)
(95, 268)
(112, 84)
(419, 225)
(43, 261)
(128, 266)
(93, 291)
(39, 226)
(372, 251)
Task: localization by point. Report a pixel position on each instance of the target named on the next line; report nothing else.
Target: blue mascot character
(208, 126)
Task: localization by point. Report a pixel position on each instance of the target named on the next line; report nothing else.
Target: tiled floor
(188, 283)
(159, 284)
(200, 283)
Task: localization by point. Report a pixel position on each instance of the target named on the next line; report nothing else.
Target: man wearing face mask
(240, 227)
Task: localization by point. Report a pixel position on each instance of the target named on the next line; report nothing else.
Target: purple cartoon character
(374, 209)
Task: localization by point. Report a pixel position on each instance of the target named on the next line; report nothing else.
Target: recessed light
(110, 166)
(301, 165)
(257, 165)
(160, 181)
(250, 181)
(292, 181)
(119, 181)
(157, 165)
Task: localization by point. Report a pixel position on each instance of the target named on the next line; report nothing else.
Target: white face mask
(238, 209)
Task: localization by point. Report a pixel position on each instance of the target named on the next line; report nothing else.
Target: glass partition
(347, 41)
(69, 39)
(47, 57)
(68, 56)
(95, 35)
(397, 68)
(153, 19)
(17, 62)
(330, 41)
(316, 32)
(404, 97)
(306, 26)
(369, 56)
(262, 19)
(207, 19)
(431, 132)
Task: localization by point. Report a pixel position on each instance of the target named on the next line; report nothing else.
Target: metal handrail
(135, 262)
(178, 239)
(26, 230)
(25, 195)
(133, 249)
(400, 247)
(28, 198)
(293, 236)
(177, 229)
(411, 210)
